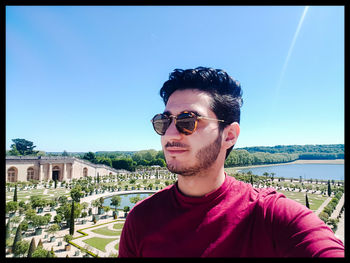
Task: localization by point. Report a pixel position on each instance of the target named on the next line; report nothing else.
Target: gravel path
(340, 231)
(319, 210)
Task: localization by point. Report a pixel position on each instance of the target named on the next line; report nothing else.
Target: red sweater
(236, 220)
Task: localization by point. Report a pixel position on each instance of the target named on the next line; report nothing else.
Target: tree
(40, 252)
(115, 201)
(7, 230)
(11, 207)
(39, 221)
(90, 156)
(18, 237)
(53, 229)
(85, 206)
(329, 188)
(126, 210)
(24, 225)
(334, 223)
(23, 146)
(135, 199)
(58, 219)
(68, 238)
(21, 248)
(307, 201)
(62, 199)
(40, 243)
(106, 209)
(76, 193)
(15, 194)
(13, 151)
(65, 153)
(29, 214)
(32, 248)
(37, 201)
(124, 163)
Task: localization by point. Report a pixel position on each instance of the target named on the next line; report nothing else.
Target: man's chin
(184, 171)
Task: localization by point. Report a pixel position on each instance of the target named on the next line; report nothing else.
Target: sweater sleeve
(299, 232)
(127, 244)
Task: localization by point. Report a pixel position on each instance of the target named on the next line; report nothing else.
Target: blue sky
(87, 78)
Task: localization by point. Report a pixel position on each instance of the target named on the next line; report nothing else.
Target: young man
(208, 213)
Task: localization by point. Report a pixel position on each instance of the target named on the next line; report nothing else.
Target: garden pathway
(340, 230)
(319, 210)
(338, 208)
(339, 233)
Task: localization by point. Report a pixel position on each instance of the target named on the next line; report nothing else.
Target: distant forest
(238, 157)
(283, 153)
(133, 160)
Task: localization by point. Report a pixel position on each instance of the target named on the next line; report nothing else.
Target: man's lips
(176, 150)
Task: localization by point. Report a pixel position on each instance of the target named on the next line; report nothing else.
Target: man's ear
(231, 133)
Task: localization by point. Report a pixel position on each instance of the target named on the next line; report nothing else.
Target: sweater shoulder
(156, 200)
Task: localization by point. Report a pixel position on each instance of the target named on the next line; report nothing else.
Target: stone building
(45, 168)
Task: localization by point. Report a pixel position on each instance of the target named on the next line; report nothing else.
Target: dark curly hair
(225, 91)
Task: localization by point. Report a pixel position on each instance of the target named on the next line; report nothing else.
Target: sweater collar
(184, 199)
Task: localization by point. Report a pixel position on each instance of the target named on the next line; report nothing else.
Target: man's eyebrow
(195, 112)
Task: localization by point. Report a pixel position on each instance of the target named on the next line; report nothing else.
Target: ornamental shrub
(39, 253)
(323, 216)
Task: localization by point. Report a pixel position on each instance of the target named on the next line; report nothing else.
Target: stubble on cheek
(204, 158)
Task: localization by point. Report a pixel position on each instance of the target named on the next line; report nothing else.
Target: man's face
(190, 154)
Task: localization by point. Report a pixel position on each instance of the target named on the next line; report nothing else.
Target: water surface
(306, 171)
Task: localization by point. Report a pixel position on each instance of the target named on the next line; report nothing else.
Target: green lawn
(106, 232)
(118, 226)
(315, 200)
(99, 243)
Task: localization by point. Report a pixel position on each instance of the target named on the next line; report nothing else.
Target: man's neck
(201, 183)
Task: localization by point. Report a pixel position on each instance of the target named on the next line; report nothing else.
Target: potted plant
(52, 230)
(11, 208)
(67, 238)
(37, 222)
(126, 210)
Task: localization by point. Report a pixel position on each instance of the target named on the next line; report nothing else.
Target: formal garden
(69, 219)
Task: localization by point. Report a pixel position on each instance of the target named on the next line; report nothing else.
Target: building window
(85, 172)
(12, 174)
(30, 173)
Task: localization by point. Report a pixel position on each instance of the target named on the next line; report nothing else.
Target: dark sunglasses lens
(186, 123)
(161, 123)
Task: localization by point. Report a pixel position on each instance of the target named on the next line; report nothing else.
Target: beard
(205, 158)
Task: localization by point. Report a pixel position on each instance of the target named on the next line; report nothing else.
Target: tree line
(129, 163)
(299, 149)
(256, 155)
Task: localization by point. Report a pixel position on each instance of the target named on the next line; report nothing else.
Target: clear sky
(87, 78)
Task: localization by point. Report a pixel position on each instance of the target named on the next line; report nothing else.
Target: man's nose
(172, 131)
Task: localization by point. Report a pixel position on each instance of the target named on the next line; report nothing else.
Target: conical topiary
(31, 248)
(40, 243)
(15, 194)
(307, 201)
(7, 230)
(18, 237)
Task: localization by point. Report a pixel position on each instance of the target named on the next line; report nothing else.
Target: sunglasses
(186, 122)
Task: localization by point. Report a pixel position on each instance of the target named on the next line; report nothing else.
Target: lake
(124, 202)
(306, 171)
